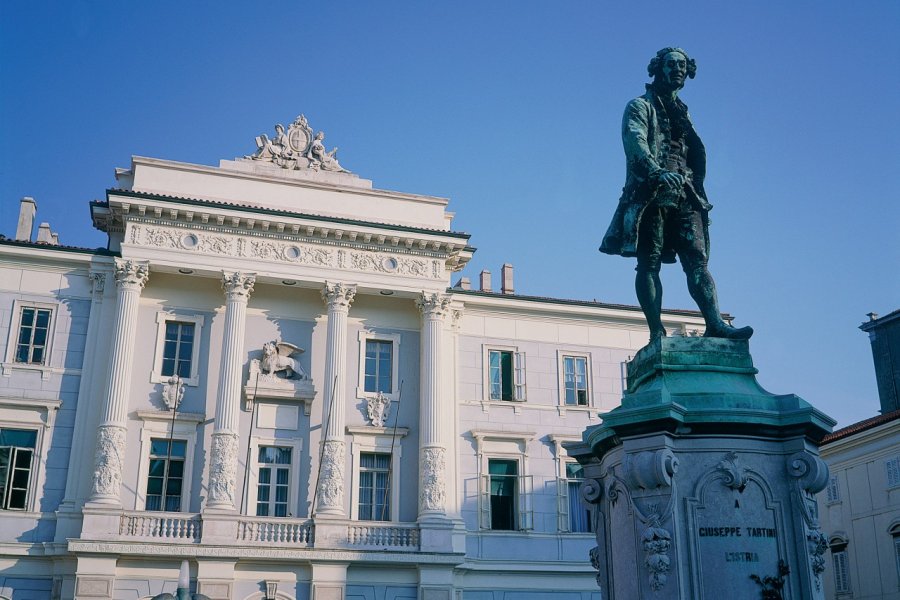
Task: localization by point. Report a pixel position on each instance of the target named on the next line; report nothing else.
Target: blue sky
(512, 110)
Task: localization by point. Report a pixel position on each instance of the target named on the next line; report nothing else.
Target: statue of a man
(663, 211)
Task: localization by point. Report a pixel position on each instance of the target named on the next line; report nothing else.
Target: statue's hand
(673, 180)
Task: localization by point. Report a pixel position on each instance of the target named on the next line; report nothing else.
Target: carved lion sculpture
(277, 357)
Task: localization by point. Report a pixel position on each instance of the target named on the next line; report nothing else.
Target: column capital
(338, 296)
(434, 305)
(237, 285)
(132, 274)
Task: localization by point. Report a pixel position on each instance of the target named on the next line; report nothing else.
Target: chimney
(506, 279)
(27, 210)
(464, 283)
(485, 281)
(44, 236)
(55, 240)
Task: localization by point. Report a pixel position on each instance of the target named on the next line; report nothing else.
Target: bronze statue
(663, 211)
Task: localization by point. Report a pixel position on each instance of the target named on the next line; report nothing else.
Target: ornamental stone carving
(238, 285)
(734, 474)
(173, 392)
(131, 274)
(817, 544)
(338, 296)
(434, 305)
(594, 555)
(331, 484)
(296, 149)
(656, 541)
(223, 468)
(109, 461)
(649, 470)
(276, 358)
(98, 283)
(377, 409)
(433, 491)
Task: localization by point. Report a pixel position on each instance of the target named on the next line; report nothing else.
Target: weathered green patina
(663, 211)
(702, 385)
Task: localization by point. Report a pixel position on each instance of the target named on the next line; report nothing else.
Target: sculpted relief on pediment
(297, 148)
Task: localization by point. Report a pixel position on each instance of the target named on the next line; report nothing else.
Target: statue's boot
(703, 291)
(649, 293)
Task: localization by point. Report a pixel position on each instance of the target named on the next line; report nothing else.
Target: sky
(512, 110)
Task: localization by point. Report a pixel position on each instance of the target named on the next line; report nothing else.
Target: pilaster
(435, 308)
(224, 448)
(131, 276)
(330, 493)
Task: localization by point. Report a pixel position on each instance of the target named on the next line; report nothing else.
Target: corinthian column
(330, 493)
(432, 412)
(224, 451)
(110, 455)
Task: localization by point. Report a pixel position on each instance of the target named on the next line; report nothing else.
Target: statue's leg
(649, 293)
(701, 286)
(647, 283)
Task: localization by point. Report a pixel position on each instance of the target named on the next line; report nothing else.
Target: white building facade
(269, 375)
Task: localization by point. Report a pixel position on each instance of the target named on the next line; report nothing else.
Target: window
(379, 369)
(16, 458)
(506, 497)
(34, 333)
(839, 558)
(893, 471)
(506, 375)
(379, 366)
(575, 380)
(895, 532)
(374, 487)
(165, 476)
(833, 493)
(177, 348)
(273, 481)
(576, 513)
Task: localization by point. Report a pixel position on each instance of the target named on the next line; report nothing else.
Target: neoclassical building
(270, 374)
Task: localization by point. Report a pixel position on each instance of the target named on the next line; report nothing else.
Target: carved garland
(331, 484)
(109, 462)
(434, 493)
(223, 468)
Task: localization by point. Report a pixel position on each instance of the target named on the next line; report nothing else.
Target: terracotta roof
(860, 426)
(59, 247)
(274, 211)
(589, 303)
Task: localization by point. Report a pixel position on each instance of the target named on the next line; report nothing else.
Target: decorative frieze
(212, 243)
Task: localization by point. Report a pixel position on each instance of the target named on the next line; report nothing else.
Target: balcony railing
(161, 526)
(393, 537)
(293, 532)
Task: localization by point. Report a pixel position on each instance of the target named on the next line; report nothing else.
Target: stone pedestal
(703, 483)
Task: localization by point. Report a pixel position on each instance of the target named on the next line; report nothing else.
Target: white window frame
(376, 440)
(296, 446)
(892, 472)
(163, 317)
(842, 555)
(561, 355)
(520, 373)
(505, 445)
(15, 324)
(394, 338)
(36, 415)
(158, 424)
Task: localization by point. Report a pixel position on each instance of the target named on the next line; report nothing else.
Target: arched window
(840, 560)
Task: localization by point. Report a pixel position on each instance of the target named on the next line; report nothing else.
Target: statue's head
(671, 66)
(279, 128)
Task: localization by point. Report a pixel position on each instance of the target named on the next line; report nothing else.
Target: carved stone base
(330, 495)
(702, 479)
(223, 470)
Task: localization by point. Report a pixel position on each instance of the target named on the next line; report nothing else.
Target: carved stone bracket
(650, 470)
(810, 476)
(734, 474)
(433, 473)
